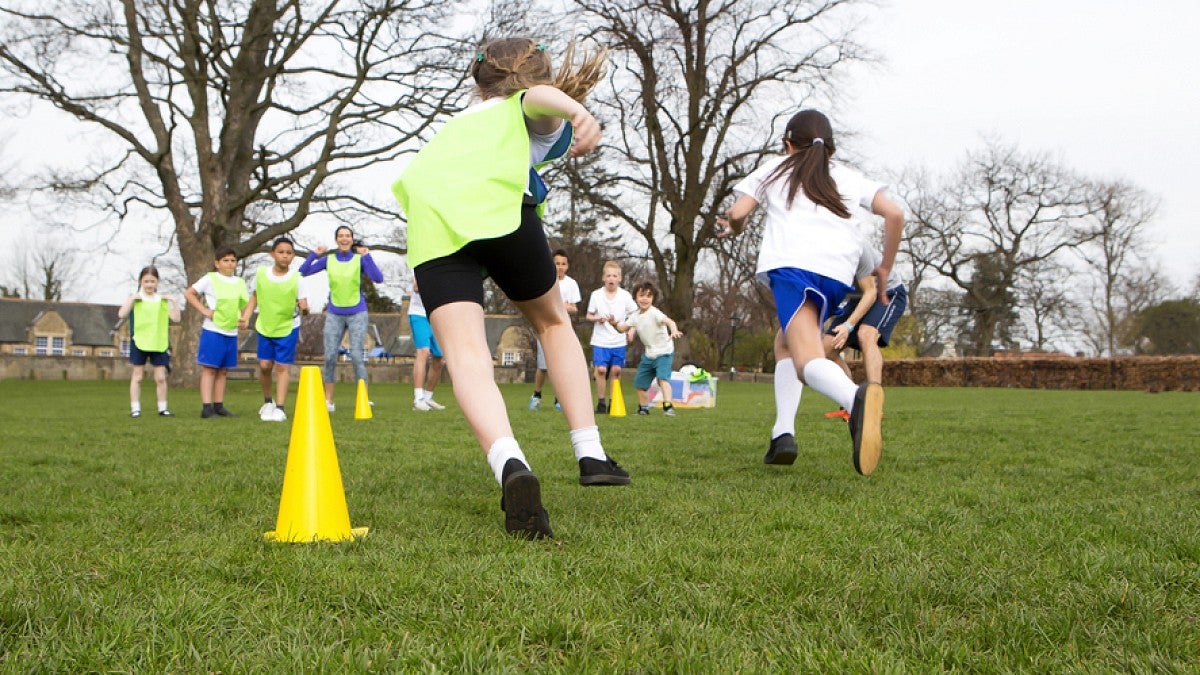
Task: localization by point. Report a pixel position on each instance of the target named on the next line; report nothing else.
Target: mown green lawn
(1004, 530)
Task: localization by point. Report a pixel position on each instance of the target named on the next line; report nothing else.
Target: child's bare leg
(643, 397)
(459, 329)
(565, 362)
(219, 385)
(282, 376)
(207, 377)
(264, 377)
(667, 393)
(601, 381)
(160, 383)
(136, 375)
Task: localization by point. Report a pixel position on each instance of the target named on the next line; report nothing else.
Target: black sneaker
(782, 451)
(602, 472)
(601, 408)
(643, 411)
(865, 427)
(165, 413)
(222, 411)
(521, 502)
(206, 411)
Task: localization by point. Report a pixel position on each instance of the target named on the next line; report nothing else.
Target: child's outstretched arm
(735, 218)
(545, 107)
(194, 300)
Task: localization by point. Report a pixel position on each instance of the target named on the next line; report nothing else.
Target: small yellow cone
(313, 504)
(617, 408)
(362, 404)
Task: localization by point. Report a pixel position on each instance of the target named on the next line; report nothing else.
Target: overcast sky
(1110, 88)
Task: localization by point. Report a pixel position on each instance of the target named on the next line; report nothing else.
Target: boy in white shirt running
(657, 332)
(608, 346)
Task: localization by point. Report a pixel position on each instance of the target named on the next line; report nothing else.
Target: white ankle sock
(418, 394)
(501, 451)
(788, 388)
(135, 407)
(825, 376)
(162, 406)
(587, 443)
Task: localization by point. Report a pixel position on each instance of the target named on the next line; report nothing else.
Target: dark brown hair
(148, 269)
(811, 136)
(646, 286)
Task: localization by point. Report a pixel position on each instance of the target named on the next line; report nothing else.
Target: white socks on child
(826, 377)
(788, 388)
(135, 407)
(162, 406)
(418, 393)
(501, 451)
(587, 443)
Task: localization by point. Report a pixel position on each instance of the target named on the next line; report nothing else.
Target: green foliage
(1005, 530)
(1171, 327)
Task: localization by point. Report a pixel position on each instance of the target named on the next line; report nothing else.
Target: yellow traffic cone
(617, 408)
(362, 405)
(313, 504)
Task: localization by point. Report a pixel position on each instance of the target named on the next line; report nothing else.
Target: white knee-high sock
(825, 376)
(501, 451)
(788, 388)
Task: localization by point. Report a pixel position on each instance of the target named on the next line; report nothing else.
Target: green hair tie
(541, 47)
(478, 57)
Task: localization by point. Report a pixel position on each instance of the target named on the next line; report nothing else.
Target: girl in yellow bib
(224, 295)
(149, 339)
(346, 310)
(473, 198)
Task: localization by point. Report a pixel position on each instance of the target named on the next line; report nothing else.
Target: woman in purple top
(347, 307)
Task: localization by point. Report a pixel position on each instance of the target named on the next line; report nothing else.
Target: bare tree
(684, 105)
(1049, 303)
(238, 119)
(42, 268)
(1003, 212)
(1116, 254)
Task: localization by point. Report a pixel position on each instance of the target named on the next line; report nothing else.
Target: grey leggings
(335, 326)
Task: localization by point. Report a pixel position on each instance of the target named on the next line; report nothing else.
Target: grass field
(1005, 530)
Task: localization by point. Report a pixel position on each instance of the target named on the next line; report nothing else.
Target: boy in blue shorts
(224, 297)
(606, 305)
(276, 296)
(657, 331)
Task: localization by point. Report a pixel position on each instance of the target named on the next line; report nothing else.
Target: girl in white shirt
(809, 253)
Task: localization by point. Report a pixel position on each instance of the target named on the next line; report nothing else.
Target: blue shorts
(281, 349)
(216, 350)
(422, 334)
(608, 357)
(881, 317)
(138, 357)
(793, 287)
(651, 369)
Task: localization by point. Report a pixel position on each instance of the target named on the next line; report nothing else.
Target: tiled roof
(90, 323)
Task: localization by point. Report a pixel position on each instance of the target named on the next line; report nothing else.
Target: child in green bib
(472, 197)
(149, 339)
(220, 297)
(276, 296)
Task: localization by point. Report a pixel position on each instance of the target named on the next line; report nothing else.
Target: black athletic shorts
(519, 262)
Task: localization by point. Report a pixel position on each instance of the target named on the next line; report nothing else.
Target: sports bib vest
(345, 280)
(231, 298)
(276, 303)
(150, 325)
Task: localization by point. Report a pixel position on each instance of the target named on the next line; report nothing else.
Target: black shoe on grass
(521, 502)
(165, 413)
(602, 408)
(222, 411)
(782, 450)
(602, 472)
(206, 411)
(866, 432)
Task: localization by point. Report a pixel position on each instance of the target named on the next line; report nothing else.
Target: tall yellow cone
(362, 405)
(313, 504)
(617, 407)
